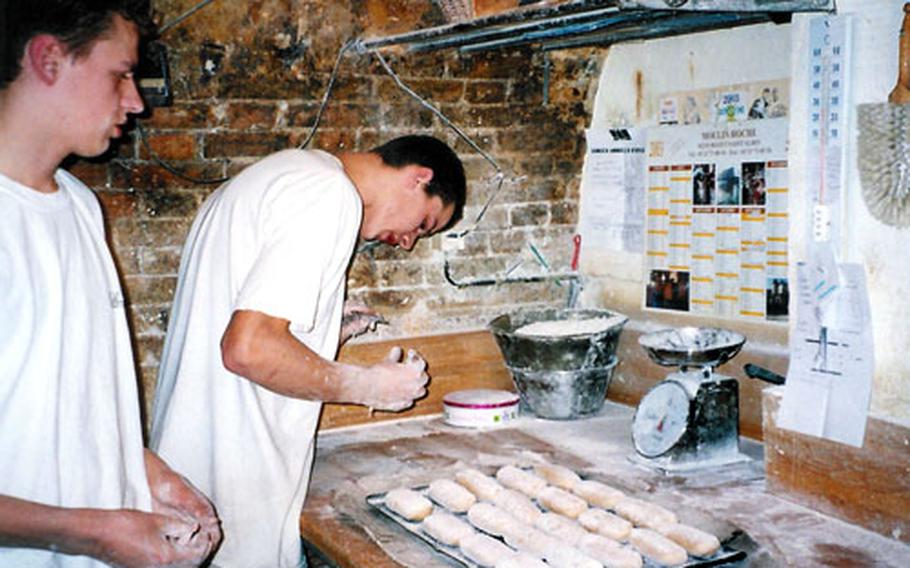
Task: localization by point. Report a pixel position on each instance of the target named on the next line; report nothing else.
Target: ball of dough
(446, 528)
(644, 513)
(521, 560)
(563, 556)
(518, 505)
(480, 484)
(562, 528)
(609, 552)
(658, 547)
(562, 502)
(605, 523)
(520, 480)
(557, 475)
(696, 541)
(597, 494)
(409, 504)
(493, 520)
(484, 550)
(451, 495)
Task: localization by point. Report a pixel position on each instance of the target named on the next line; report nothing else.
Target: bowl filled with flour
(561, 360)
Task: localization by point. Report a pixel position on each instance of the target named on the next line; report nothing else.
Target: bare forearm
(26, 524)
(261, 348)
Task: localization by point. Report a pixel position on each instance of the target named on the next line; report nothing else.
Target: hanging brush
(884, 145)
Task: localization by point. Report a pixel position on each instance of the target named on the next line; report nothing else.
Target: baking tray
(734, 551)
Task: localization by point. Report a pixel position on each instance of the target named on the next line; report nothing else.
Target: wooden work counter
(354, 462)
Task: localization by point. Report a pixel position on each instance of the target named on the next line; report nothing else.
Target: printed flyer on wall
(716, 220)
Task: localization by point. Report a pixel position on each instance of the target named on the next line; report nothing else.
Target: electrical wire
(184, 16)
(328, 90)
(158, 161)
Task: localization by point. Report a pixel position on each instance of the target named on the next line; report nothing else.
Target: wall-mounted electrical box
(153, 75)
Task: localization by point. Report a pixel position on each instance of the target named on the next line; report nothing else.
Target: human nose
(131, 100)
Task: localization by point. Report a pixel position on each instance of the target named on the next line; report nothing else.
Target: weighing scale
(689, 420)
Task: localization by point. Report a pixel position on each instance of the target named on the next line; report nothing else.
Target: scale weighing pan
(692, 346)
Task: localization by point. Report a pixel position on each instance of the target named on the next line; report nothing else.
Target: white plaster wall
(636, 75)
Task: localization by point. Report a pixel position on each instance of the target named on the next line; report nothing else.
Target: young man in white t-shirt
(257, 321)
(77, 488)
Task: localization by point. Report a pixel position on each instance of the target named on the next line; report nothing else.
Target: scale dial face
(661, 419)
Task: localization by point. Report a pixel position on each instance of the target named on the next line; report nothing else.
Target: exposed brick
(148, 351)
(150, 289)
(485, 92)
(350, 115)
(363, 273)
(126, 258)
(92, 174)
(182, 114)
(165, 232)
(436, 90)
(531, 214)
(149, 321)
(117, 204)
(150, 175)
(169, 146)
(247, 115)
(399, 274)
(497, 64)
(564, 213)
(546, 138)
(223, 145)
(159, 260)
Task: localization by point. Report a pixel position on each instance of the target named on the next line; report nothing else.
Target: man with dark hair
(257, 322)
(77, 488)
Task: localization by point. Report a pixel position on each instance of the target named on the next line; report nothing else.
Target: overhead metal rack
(579, 23)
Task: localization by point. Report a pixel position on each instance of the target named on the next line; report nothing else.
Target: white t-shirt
(276, 239)
(70, 432)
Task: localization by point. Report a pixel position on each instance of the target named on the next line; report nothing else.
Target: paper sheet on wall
(717, 220)
(829, 382)
(612, 194)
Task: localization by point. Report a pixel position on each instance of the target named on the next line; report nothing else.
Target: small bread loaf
(609, 552)
(493, 520)
(446, 528)
(696, 541)
(521, 560)
(564, 556)
(562, 502)
(657, 547)
(480, 484)
(518, 505)
(605, 523)
(644, 513)
(597, 494)
(451, 495)
(484, 550)
(557, 475)
(409, 504)
(520, 480)
(562, 528)
(532, 541)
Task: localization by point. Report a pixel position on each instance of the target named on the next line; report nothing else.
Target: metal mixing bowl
(556, 353)
(563, 395)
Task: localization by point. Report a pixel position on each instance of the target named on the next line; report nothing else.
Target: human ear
(44, 56)
(423, 175)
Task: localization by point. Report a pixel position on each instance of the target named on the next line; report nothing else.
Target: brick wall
(248, 80)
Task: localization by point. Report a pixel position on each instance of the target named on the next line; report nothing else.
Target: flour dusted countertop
(352, 463)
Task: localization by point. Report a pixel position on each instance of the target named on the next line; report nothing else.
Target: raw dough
(484, 550)
(520, 480)
(556, 328)
(451, 495)
(563, 556)
(480, 484)
(409, 504)
(532, 541)
(696, 541)
(563, 528)
(521, 560)
(557, 475)
(493, 520)
(658, 547)
(446, 528)
(644, 513)
(518, 505)
(609, 552)
(597, 494)
(562, 502)
(605, 523)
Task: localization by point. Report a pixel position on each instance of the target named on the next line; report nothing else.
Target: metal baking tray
(734, 550)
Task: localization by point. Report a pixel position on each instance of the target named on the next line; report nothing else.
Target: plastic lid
(480, 398)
